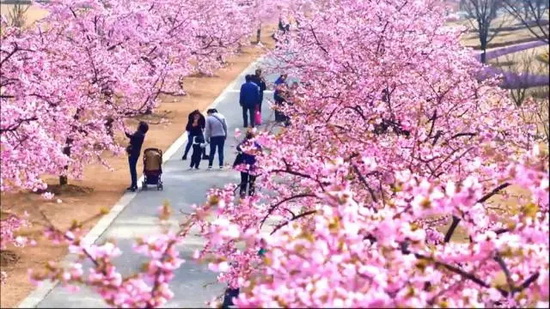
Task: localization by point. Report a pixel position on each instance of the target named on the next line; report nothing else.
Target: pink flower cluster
(146, 288)
(348, 254)
(9, 237)
(381, 191)
(8, 232)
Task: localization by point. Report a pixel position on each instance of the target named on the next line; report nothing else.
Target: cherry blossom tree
(390, 113)
(90, 65)
(69, 82)
(392, 186)
(27, 148)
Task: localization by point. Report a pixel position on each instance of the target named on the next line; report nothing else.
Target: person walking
(195, 126)
(133, 150)
(216, 133)
(246, 164)
(279, 97)
(249, 99)
(259, 80)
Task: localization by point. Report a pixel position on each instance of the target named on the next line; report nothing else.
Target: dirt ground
(100, 188)
(32, 13)
(503, 38)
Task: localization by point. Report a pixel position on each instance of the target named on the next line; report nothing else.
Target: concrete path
(182, 188)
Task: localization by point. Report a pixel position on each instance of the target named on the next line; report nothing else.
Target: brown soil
(83, 200)
(32, 13)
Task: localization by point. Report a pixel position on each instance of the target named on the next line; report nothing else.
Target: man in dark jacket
(133, 150)
(249, 99)
(259, 80)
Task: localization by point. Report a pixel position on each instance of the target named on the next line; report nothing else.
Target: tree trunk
(258, 35)
(483, 44)
(63, 179)
(483, 56)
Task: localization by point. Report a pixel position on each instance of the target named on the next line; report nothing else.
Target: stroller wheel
(144, 185)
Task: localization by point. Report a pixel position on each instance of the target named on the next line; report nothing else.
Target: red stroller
(152, 168)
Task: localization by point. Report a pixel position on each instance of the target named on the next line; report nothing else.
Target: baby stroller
(152, 168)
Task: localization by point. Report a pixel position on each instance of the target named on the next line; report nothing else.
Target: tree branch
(274, 206)
(487, 196)
(307, 213)
(364, 181)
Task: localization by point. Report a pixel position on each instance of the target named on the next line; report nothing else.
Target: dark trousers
(247, 180)
(196, 157)
(228, 297)
(132, 162)
(216, 142)
(248, 111)
(279, 115)
(190, 139)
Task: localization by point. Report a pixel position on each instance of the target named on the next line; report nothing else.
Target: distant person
(292, 92)
(195, 127)
(199, 145)
(231, 293)
(216, 133)
(228, 297)
(290, 99)
(284, 25)
(249, 100)
(281, 25)
(134, 150)
(246, 164)
(281, 88)
(259, 80)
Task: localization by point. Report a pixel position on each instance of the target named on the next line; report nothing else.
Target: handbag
(257, 116)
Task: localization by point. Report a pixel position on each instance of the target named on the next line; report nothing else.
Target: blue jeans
(216, 142)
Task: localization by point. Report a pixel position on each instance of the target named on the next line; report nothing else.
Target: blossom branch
(307, 213)
(487, 196)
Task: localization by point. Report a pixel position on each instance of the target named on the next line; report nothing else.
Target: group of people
(213, 130)
(202, 131)
(251, 97)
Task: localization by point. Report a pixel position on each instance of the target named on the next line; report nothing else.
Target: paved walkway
(182, 188)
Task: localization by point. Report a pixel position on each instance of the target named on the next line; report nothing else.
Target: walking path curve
(135, 215)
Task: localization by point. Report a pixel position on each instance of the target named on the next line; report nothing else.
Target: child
(198, 149)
